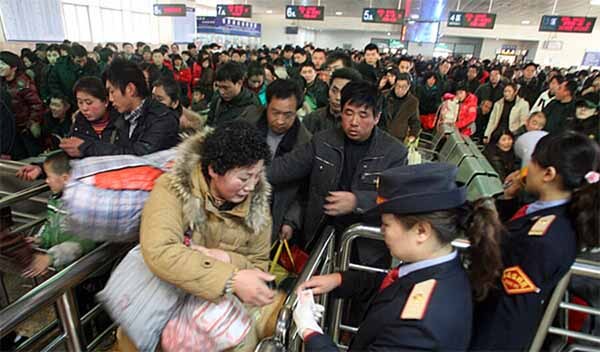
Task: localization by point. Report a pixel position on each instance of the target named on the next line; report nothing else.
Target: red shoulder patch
(515, 281)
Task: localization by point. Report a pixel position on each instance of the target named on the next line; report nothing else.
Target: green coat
(65, 73)
(244, 104)
(63, 247)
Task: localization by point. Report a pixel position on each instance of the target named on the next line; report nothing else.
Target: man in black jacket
(493, 89)
(329, 116)
(315, 88)
(232, 100)
(284, 133)
(147, 126)
(562, 108)
(529, 85)
(342, 164)
(370, 68)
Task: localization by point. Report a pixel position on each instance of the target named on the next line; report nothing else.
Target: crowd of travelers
(279, 143)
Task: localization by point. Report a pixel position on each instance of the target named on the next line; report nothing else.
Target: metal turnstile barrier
(320, 262)
(58, 289)
(557, 301)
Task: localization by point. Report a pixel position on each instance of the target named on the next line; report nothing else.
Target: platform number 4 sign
(456, 17)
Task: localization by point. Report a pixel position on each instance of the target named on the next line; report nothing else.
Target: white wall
(489, 47)
(574, 45)
(333, 32)
(357, 39)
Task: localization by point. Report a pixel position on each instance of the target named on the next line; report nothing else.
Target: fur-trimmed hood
(188, 181)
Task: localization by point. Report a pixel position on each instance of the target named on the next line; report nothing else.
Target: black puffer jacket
(156, 130)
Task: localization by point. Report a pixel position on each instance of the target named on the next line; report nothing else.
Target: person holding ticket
(427, 302)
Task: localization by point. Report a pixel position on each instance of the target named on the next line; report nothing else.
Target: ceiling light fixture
(526, 22)
(269, 11)
(388, 33)
(339, 13)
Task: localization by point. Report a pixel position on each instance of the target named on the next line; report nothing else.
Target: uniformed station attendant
(425, 304)
(542, 240)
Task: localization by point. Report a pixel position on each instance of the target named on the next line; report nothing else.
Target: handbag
(293, 259)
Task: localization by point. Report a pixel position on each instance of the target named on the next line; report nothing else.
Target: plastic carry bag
(139, 301)
(414, 157)
(201, 325)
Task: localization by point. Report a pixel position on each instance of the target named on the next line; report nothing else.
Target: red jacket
(467, 113)
(184, 76)
(26, 103)
(484, 77)
(196, 73)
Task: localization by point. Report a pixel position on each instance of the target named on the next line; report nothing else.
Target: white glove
(306, 313)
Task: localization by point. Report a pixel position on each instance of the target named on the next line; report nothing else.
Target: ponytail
(481, 224)
(576, 159)
(583, 211)
(483, 228)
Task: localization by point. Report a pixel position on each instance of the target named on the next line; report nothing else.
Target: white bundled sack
(139, 301)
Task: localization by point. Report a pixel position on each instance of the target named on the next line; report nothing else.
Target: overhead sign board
(169, 10)
(227, 26)
(567, 24)
(224, 10)
(478, 20)
(382, 15)
(311, 13)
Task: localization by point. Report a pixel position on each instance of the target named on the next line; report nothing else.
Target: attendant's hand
(321, 284)
(305, 314)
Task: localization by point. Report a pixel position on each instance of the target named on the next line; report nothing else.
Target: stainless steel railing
(583, 268)
(58, 289)
(321, 261)
(24, 194)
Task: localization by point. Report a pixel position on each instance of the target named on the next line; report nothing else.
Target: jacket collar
(288, 141)
(338, 140)
(407, 281)
(187, 180)
(519, 224)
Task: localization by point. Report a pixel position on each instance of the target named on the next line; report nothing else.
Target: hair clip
(592, 177)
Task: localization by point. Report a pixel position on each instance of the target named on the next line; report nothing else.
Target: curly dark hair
(234, 144)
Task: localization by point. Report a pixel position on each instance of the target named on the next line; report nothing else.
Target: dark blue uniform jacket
(445, 326)
(509, 322)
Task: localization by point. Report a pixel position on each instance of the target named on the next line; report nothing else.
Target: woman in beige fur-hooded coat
(188, 199)
(182, 200)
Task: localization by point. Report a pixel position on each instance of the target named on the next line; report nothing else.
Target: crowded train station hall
(299, 175)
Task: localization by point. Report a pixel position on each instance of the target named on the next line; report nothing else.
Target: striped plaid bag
(105, 195)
